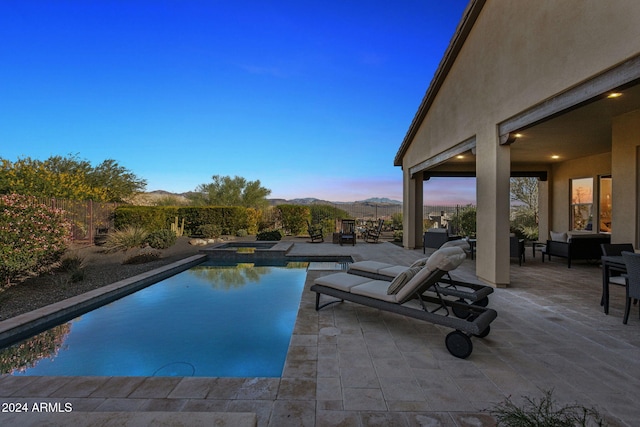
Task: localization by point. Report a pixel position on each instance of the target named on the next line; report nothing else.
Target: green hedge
(229, 219)
(294, 218)
(150, 218)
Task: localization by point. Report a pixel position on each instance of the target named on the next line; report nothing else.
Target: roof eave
(455, 45)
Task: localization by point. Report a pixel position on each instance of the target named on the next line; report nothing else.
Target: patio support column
(625, 178)
(493, 169)
(544, 211)
(412, 210)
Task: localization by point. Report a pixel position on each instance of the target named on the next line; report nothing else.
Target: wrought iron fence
(86, 217)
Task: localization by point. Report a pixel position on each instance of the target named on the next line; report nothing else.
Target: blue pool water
(208, 321)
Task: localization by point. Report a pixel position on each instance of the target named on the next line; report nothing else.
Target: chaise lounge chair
(475, 293)
(397, 297)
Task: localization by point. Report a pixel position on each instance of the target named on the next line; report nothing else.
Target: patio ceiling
(583, 131)
(579, 132)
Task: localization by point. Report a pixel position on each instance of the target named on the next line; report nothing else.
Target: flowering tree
(33, 236)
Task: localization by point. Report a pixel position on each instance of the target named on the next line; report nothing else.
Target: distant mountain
(151, 197)
(314, 201)
(380, 200)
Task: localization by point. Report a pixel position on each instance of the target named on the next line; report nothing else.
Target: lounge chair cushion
(618, 280)
(446, 259)
(410, 287)
(342, 281)
(375, 289)
(393, 271)
(369, 266)
(402, 279)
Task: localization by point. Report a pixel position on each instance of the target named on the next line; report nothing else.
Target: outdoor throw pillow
(402, 279)
(558, 237)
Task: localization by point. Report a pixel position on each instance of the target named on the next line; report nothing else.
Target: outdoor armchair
(373, 234)
(315, 232)
(348, 231)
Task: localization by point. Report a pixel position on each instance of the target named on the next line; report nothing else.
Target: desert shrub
(210, 231)
(242, 233)
(545, 412)
(126, 238)
(161, 239)
(74, 265)
(464, 221)
(328, 226)
(254, 217)
(396, 221)
(269, 235)
(33, 236)
(229, 218)
(397, 236)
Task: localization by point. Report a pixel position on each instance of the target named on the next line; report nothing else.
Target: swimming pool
(209, 321)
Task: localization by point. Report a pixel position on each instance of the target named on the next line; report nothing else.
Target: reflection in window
(582, 204)
(605, 204)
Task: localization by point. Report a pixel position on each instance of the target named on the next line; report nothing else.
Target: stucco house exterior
(549, 89)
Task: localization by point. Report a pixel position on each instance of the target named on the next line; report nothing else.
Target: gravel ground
(100, 269)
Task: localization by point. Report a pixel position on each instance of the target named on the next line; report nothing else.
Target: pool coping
(279, 249)
(25, 325)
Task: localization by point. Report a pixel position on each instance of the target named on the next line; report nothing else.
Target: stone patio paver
(351, 365)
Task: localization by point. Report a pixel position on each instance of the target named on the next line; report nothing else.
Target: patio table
(610, 263)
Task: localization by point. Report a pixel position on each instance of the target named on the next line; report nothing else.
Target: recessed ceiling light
(460, 156)
(555, 157)
(518, 135)
(614, 95)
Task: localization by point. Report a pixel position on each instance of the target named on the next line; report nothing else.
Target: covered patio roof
(563, 128)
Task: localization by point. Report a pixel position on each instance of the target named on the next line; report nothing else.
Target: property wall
(563, 173)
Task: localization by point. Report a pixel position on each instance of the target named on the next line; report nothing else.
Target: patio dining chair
(616, 249)
(632, 261)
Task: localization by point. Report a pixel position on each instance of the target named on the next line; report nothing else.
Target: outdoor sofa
(575, 246)
(436, 237)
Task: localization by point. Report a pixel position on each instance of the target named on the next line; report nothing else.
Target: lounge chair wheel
(459, 344)
(459, 311)
(482, 302)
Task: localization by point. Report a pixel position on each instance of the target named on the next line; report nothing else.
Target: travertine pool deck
(355, 366)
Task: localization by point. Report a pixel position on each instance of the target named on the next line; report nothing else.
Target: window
(582, 204)
(605, 204)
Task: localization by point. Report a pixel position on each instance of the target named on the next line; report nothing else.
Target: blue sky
(312, 98)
